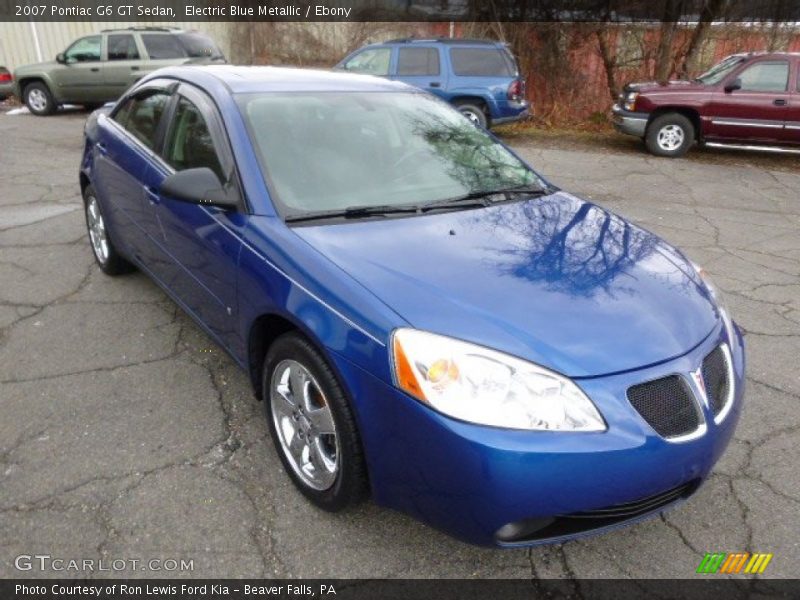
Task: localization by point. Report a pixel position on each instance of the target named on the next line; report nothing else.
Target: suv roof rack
(141, 28)
(441, 40)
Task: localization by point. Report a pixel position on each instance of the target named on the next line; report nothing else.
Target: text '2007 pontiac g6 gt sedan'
(426, 319)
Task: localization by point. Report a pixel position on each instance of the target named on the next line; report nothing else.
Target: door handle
(435, 84)
(134, 68)
(779, 102)
(101, 148)
(152, 195)
(94, 69)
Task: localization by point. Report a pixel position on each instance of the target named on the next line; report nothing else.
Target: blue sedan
(426, 319)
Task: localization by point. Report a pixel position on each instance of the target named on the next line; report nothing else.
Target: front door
(81, 78)
(754, 107)
(200, 243)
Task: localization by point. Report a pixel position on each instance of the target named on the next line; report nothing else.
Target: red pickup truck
(750, 100)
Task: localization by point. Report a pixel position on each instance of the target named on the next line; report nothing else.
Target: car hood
(34, 68)
(555, 280)
(679, 85)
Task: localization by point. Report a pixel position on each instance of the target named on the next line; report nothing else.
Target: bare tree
(712, 10)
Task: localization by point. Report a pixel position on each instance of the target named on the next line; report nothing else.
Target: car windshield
(719, 71)
(335, 151)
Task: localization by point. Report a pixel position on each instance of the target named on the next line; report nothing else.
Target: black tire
(670, 135)
(112, 263)
(351, 484)
(474, 113)
(38, 99)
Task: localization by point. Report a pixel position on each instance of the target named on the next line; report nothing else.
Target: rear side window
(766, 77)
(162, 46)
(374, 61)
(141, 115)
(481, 62)
(122, 47)
(190, 144)
(418, 61)
(198, 45)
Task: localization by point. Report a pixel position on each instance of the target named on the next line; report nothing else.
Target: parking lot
(125, 433)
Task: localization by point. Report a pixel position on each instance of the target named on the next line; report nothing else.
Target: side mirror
(734, 85)
(61, 59)
(199, 186)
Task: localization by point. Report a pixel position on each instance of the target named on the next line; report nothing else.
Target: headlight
(719, 300)
(483, 386)
(630, 101)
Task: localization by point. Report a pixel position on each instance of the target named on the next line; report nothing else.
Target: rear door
(793, 112)
(198, 245)
(123, 63)
(421, 66)
(124, 150)
(757, 111)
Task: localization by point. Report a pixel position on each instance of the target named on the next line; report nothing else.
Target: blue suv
(479, 77)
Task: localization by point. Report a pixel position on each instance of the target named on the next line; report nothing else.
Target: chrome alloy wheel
(97, 230)
(304, 424)
(670, 137)
(470, 114)
(37, 100)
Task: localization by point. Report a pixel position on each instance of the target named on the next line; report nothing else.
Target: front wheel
(38, 99)
(670, 135)
(312, 425)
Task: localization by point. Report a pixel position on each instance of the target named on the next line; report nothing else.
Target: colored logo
(736, 562)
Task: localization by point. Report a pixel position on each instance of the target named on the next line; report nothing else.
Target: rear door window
(141, 116)
(418, 61)
(122, 47)
(162, 46)
(481, 62)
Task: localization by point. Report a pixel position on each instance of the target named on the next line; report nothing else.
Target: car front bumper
(474, 482)
(627, 122)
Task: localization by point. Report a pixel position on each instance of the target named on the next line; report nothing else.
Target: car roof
(145, 29)
(247, 79)
(444, 40)
(765, 53)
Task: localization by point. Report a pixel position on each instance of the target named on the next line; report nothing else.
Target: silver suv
(98, 68)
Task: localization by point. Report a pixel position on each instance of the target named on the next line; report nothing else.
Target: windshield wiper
(481, 198)
(353, 212)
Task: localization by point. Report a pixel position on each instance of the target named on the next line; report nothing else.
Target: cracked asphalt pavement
(126, 433)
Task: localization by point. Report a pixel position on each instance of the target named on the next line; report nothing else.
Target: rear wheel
(473, 112)
(108, 258)
(312, 425)
(670, 135)
(38, 99)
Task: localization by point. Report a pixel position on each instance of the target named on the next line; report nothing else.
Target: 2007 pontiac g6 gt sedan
(426, 319)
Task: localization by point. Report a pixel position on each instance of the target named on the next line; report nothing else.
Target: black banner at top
(784, 11)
